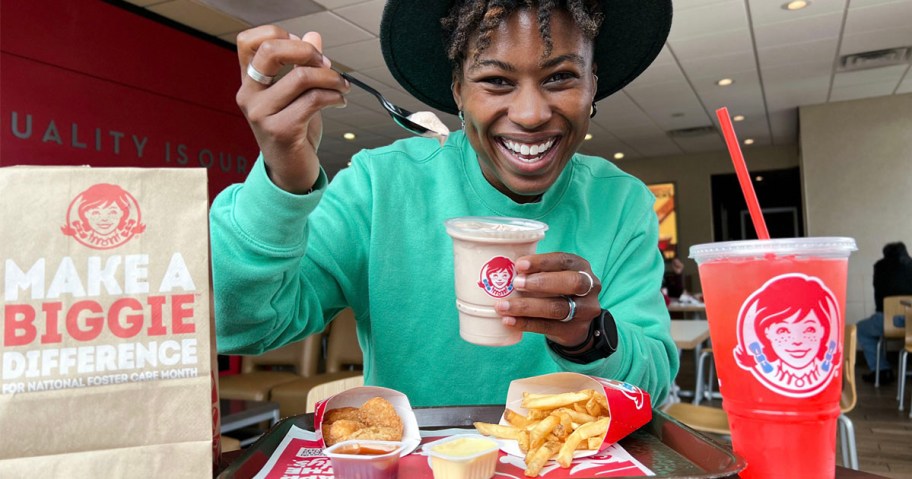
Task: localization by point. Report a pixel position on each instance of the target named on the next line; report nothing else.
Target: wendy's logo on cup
(104, 216)
(496, 276)
(788, 335)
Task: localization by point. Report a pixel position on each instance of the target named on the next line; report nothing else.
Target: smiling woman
(290, 250)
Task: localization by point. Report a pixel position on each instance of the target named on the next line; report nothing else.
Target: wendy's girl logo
(496, 276)
(788, 335)
(104, 216)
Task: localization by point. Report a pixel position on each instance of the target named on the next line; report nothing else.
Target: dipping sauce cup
(462, 456)
(776, 311)
(365, 459)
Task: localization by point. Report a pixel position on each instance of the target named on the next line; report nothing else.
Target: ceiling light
(758, 178)
(738, 118)
(725, 82)
(348, 136)
(619, 155)
(796, 4)
(749, 141)
(348, 164)
(588, 136)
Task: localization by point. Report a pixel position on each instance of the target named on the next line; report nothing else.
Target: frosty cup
(776, 314)
(484, 249)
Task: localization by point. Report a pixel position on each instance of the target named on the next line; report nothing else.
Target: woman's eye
(562, 76)
(495, 81)
(810, 330)
(782, 331)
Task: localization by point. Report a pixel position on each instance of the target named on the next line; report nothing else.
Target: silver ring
(572, 304)
(258, 77)
(591, 283)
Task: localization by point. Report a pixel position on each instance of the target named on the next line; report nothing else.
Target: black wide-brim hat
(411, 38)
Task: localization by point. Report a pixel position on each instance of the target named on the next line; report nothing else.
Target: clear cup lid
(825, 247)
(495, 227)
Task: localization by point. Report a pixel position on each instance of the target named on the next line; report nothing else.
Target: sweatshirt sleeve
(259, 235)
(646, 355)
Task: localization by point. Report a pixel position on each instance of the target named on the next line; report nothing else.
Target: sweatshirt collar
(499, 203)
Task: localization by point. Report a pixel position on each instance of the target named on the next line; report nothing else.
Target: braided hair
(467, 17)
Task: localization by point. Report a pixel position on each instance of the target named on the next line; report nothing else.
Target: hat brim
(411, 38)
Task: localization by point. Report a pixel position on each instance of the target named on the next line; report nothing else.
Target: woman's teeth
(529, 152)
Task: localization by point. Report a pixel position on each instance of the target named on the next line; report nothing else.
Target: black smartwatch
(602, 330)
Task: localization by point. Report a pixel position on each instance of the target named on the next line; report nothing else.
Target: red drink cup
(776, 312)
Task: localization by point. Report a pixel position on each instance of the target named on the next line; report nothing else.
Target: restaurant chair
(703, 388)
(903, 362)
(260, 373)
(343, 360)
(849, 399)
(229, 443)
(892, 306)
(331, 388)
(709, 419)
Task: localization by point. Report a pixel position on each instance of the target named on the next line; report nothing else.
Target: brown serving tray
(664, 445)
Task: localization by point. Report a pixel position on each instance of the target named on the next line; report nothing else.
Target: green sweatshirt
(374, 239)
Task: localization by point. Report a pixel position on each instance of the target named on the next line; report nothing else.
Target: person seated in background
(892, 277)
(673, 281)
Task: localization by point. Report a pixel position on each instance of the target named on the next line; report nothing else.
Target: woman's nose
(530, 108)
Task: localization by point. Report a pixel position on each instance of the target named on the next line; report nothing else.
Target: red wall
(89, 83)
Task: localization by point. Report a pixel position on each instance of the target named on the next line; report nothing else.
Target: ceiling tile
(799, 30)
(770, 12)
(336, 31)
(707, 20)
(875, 75)
(878, 17)
(365, 15)
(333, 4)
(713, 45)
(859, 91)
(877, 40)
(198, 17)
(906, 85)
(797, 54)
(266, 11)
(357, 56)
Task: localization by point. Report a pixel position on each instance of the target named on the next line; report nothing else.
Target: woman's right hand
(285, 116)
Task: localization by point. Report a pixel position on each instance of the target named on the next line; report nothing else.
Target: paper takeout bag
(629, 406)
(105, 355)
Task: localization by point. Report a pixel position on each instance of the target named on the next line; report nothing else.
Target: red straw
(747, 188)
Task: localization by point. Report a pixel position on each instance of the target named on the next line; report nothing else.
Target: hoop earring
(461, 119)
(592, 110)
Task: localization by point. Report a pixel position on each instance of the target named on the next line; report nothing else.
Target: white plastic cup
(485, 249)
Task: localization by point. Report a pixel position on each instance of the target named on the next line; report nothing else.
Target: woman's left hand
(552, 284)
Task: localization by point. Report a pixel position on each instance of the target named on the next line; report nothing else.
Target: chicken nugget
(341, 430)
(378, 412)
(378, 433)
(333, 415)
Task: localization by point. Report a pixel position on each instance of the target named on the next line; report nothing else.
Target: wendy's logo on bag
(788, 335)
(497, 276)
(104, 216)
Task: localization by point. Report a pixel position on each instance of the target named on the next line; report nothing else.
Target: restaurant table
(688, 334)
(667, 447)
(237, 414)
(688, 310)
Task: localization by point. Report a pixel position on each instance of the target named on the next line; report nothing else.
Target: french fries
(554, 427)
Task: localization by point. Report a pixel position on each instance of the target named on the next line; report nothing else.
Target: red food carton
(356, 397)
(629, 406)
